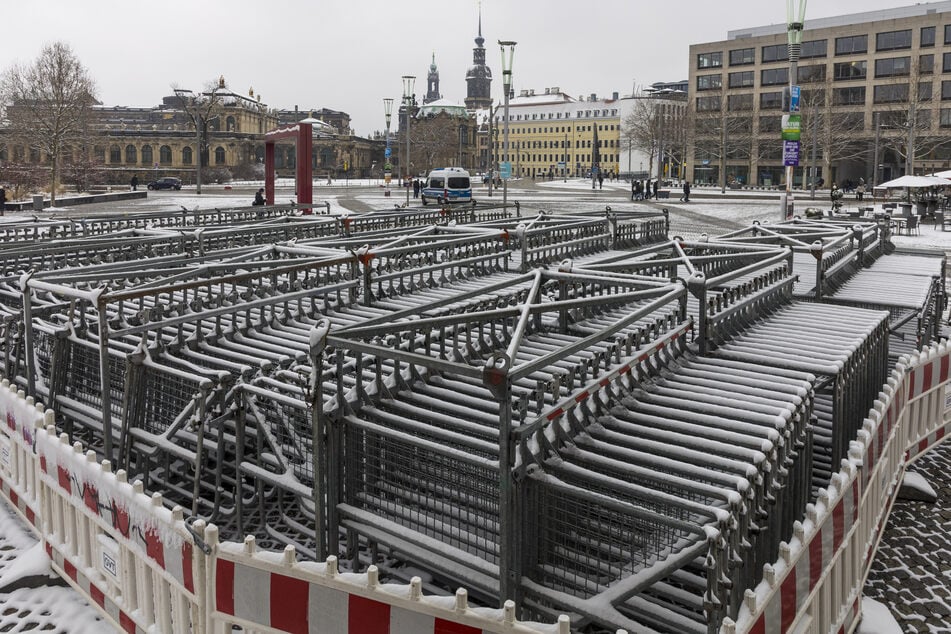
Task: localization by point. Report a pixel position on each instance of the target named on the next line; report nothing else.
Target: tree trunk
(54, 176)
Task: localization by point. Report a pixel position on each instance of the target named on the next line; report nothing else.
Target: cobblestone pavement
(912, 570)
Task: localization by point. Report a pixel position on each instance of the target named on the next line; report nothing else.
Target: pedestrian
(135, 182)
(633, 188)
(600, 180)
(647, 189)
(3, 200)
(656, 188)
(415, 188)
(259, 198)
(686, 197)
(860, 190)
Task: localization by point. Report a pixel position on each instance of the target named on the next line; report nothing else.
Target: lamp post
(794, 26)
(409, 84)
(564, 157)
(388, 112)
(509, 48)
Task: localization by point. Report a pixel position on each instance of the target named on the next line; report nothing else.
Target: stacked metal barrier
(627, 436)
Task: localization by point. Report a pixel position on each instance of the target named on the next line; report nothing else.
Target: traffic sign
(505, 169)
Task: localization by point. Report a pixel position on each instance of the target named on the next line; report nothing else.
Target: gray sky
(349, 55)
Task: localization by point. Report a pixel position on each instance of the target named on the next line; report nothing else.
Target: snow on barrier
(150, 571)
(816, 584)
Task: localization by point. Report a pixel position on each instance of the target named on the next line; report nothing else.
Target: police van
(447, 185)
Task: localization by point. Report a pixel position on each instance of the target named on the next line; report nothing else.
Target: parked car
(166, 183)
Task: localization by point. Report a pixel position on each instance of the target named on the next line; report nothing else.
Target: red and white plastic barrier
(816, 584)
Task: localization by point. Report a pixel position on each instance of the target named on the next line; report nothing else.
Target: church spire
(479, 76)
(432, 88)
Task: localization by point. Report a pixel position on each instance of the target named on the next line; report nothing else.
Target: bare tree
(48, 104)
(202, 110)
(908, 132)
(437, 139)
(642, 128)
(720, 134)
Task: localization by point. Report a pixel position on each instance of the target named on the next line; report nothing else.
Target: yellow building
(553, 134)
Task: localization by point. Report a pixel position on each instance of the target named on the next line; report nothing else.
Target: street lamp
(409, 84)
(388, 112)
(794, 25)
(507, 47)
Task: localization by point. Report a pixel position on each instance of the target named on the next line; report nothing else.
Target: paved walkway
(912, 571)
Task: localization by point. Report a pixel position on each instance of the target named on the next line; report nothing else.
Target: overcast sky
(349, 55)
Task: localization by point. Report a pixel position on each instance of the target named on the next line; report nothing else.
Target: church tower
(432, 90)
(479, 76)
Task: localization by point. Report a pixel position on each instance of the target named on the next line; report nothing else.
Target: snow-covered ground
(55, 609)
(60, 610)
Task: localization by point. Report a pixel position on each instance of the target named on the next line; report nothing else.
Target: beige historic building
(553, 133)
(864, 78)
(162, 141)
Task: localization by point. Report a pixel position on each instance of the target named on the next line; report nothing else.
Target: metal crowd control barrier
(392, 393)
(149, 569)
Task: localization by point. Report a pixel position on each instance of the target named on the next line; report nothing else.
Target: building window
(774, 76)
(945, 118)
(709, 82)
(945, 90)
(165, 155)
(947, 33)
(741, 80)
(771, 100)
(770, 123)
(710, 60)
(925, 91)
(813, 48)
(230, 125)
(130, 154)
(811, 74)
(742, 56)
(736, 103)
(115, 154)
(708, 104)
(893, 40)
(99, 153)
(927, 37)
(186, 156)
(925, 64)
(851, 45)
(848, 121)
(946, 63)
(890, 93)
(853, 96)
(892, 66)
(850, 70)
(219, 155)
(774, 53)
(146, 155)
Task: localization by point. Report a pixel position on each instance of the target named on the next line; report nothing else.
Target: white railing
(149, 571)
(816, 584)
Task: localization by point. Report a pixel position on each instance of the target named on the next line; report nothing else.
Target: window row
(841, 71)
(541, 116)
(131, 154)
(846, 45)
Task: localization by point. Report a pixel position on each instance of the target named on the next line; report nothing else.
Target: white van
(447, 185)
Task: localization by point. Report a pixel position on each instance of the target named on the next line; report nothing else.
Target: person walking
(135, 182)
(600, 180)
(656, 188)
(633, 188)
(686, 197)
(647, 189)
(415, 188)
